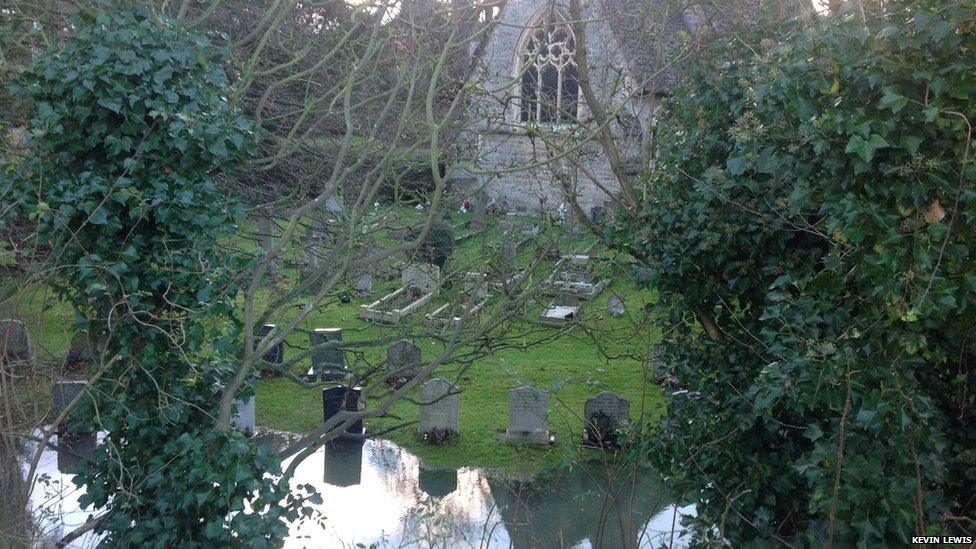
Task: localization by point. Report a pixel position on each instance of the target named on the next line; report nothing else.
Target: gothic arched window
(549, 79)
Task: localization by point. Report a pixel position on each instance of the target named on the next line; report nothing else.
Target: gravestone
(62, 393)
(437, 483)
(510, 250)
(615, 306)
(527, 411)
(342, 398)
(81, 346)
(244, 415)
(403, 359)
(476, 286)
(364, 285)
(14, 342)
(343, 463)
(421, 278)
(440, 412)
(480, 214)
(74, 451)
(276, 354)
(328, 363)
(605, 415)
(598, 215)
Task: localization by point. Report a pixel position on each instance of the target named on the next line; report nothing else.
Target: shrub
(438, 246)
(130, 126)
(810, 223)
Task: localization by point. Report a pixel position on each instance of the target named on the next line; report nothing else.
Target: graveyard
(572, 360)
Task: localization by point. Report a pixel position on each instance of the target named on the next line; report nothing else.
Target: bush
(130, 125)
(810, 222)
(438, 246)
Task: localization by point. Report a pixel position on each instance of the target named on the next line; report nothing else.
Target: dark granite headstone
(276, 354)
(336, 399)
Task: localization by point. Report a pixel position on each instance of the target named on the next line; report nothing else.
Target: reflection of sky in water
(376, 492)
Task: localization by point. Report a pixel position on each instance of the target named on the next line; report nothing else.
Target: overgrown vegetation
(812, 207)
(130, 125)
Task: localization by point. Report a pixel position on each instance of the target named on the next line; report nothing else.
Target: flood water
(375, 492)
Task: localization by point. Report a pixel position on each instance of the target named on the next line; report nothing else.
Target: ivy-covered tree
(130, 128)
(809, 223)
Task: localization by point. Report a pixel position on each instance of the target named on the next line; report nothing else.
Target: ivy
(130, 128)
(813, 197)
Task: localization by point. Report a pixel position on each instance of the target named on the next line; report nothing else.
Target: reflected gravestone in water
(527, 410)
(437, 483)
(14, 342)
(276, 354)
(343, 462)
(328, 362)
(605, 415)
(62, 394)
(74, 447)
(403, 359)
(337, 399)
(244, 415)
(441, 412)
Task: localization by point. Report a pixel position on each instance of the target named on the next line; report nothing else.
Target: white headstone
(441, 408)
(244, 415)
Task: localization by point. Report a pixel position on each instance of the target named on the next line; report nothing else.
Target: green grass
(569, 365)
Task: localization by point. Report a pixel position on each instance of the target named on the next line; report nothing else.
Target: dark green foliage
(438, 246)
(130, 125)
(814, 196)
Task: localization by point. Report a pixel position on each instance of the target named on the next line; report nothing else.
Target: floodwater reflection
(396, 502)
(375, 492)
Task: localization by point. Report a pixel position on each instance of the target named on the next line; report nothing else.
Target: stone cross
(403, 359)
(328, 362)
(244, 415)
(266, 230)
(336, 399)
(605, 414)
(14, 342)
(527, 411)
(441, 408)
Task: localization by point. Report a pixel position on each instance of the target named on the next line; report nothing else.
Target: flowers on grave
(439, 436)
(74, 358)
(602, 432)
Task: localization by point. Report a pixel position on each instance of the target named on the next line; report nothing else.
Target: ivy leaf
(736, 165)
(891, 99)
(865, 148)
